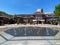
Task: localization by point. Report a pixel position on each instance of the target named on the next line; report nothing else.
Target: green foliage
(5, 14)
(57, 11)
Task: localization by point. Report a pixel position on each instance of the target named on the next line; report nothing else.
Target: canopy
(53, 19)
(38, 20)
(42, 20)
(34, 20)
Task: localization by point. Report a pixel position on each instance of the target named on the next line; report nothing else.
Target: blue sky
(27, 6)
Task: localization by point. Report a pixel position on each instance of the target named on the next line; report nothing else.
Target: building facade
(38, 17)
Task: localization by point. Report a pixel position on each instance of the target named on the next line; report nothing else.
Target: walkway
(7, 39)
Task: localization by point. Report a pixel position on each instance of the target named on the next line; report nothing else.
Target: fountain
(32, 31)
(47, 32)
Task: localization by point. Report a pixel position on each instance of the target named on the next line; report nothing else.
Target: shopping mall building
(37, 17)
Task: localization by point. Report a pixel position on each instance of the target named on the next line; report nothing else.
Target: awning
(42, 20)
(34, 20)
(38, 20)
(53, 19)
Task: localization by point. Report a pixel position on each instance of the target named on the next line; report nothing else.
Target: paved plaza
(29, 36)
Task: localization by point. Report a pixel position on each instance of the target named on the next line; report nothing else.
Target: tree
(57, 11)
(5, 14)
